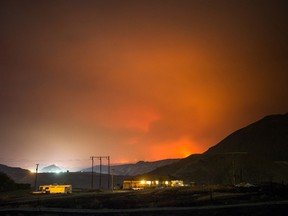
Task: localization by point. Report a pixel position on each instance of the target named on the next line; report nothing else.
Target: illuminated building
(144, 183)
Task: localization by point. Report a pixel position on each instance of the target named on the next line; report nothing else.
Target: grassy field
(180, 197)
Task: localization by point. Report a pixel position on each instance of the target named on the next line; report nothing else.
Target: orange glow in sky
(135, 80)
(174, 149)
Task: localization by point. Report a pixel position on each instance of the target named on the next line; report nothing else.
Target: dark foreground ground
(216, 200)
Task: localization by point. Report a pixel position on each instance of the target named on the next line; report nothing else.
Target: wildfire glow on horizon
(135, 80)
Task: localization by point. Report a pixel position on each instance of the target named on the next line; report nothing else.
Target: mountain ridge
(52, 168)
(255, 153)
(14, 172)
(132, 169)
(267, 137)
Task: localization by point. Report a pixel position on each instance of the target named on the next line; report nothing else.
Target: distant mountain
(132, 169)
(256, 153)
(51, 175)
(52, 169)
(77, 179)
(15, 173)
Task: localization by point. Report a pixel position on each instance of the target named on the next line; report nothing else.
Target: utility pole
(234, 171)
(35, 184)
(100, 181)
(100, 177)
(112, 180)
(92, 172)
(100, 173)
(108, 158)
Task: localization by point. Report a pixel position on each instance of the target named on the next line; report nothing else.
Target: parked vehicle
(54, 189)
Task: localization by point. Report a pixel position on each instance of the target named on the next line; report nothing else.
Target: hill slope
(15, 173)
(256, 153)
(266, 138)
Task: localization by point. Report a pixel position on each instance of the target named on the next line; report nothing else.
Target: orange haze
(135, 80)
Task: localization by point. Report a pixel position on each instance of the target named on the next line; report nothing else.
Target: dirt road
(261, 208)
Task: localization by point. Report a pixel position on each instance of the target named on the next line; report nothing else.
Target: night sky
(135, 79)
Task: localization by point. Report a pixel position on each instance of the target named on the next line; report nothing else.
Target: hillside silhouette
(257, 153)
(267, 139)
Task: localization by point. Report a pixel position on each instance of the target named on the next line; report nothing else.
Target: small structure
(142, 184)
(54, 189)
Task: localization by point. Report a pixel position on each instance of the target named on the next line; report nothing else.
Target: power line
(100, 173)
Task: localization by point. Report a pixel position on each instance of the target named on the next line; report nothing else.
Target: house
(142, 184)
